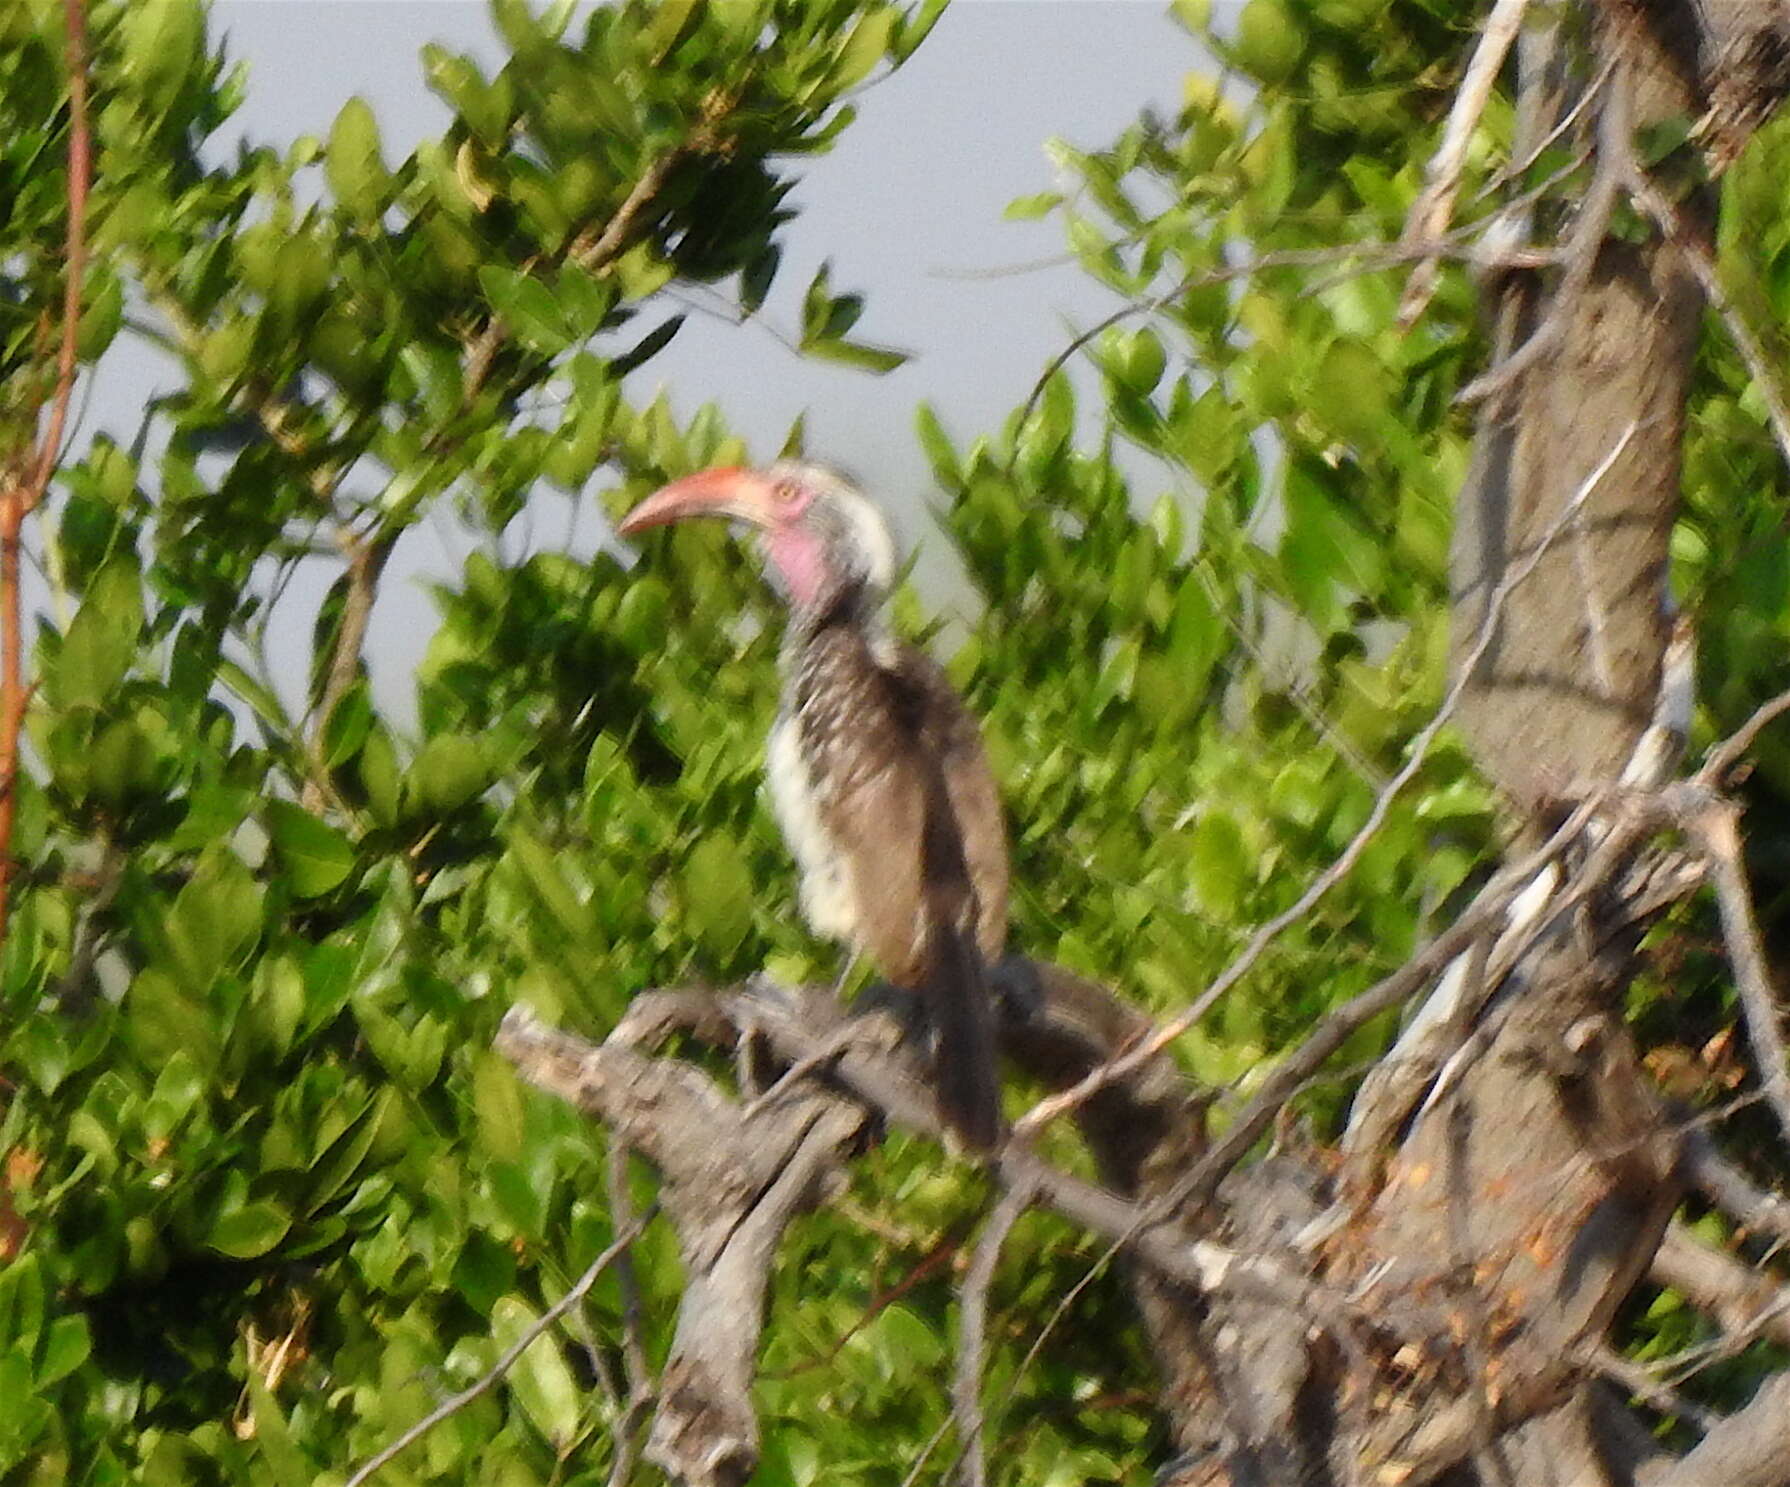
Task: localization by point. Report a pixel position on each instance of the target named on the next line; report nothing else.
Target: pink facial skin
(800, 560)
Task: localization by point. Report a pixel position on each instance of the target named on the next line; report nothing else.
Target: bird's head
(822, 537)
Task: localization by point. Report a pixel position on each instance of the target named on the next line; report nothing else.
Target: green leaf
(864, 46)
(450, 772)
(671, 21)
(1269, 41)
(718, 893)
(497, 1102)
(528, 307)
(353, 164)
(286, 1464)
(648, 346)
(540, 1380)
(213, 812)
(21, 1304)
(1218, 866)
(878, 359)
(66, 1347)
(1194, 15)
(248, 1231)
(262, 700)
(213, 918)
(162, 44)
(1029, 208)
(916, 27)
(314, 856)
(27, 1417)
(101, 641)
(549, 883)
(939, 451)
(122, 764)
(756, 277)
(484, 1270)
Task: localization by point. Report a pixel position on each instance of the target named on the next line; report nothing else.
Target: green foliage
(276, 1198)
(255, 1142)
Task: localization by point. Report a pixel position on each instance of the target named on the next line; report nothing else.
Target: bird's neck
(852, 605)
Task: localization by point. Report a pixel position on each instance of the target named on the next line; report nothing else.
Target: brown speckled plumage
(888, 803)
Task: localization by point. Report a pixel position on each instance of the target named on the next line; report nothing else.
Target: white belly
(825, 884)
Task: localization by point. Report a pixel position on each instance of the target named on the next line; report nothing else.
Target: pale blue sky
(907, 207)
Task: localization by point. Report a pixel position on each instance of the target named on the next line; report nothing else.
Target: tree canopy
(270, 1193)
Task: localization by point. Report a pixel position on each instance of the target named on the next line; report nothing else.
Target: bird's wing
(949, 734)
(888, 805)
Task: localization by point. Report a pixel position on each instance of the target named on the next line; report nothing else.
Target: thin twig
(1430, 214)
(618, 232)
(1725, 755)
(1746, 1300)
(626, 1438)
(1289, 1076)
(808, 1064)
(972, 1328)
(1731, 1190)
(1653, 1392)
(1678, 232)
(367, 557)
(937, 1258)
(1717, 829)
(1117, 1068)
(1583, 244)
(22, 494)
(621, 1217)
(1369, 258)
(515, 1350)
(932, 1444)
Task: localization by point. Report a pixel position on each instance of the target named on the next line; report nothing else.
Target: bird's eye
(791, 495)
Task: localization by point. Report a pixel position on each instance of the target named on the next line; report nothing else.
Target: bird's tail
(960, 1007)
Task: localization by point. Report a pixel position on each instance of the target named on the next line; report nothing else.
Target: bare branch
(1717, 829)
(621, 1215)
(1723, 758)
(1653, 1392)
(731, 1187)
(1747, 1302)
(1701, 262)
(1746, 1450)
(367, 557)
(1442, 177)
(972, 1324)
(1731, 1190)
(1290, 1075)
(796, 1024)
(1580, 252)
(515, 1350)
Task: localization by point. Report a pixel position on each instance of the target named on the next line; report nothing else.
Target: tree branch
(1716, 828)
(972, 1324)
(26, 483)
(1747, 1449)
(1731, 1190)
(1429, 215)
(1747, 1302)
(515, 1350)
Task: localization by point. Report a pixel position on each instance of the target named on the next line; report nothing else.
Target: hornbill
(876, 769)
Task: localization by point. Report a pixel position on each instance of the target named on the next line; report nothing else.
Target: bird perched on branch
(876, 768)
